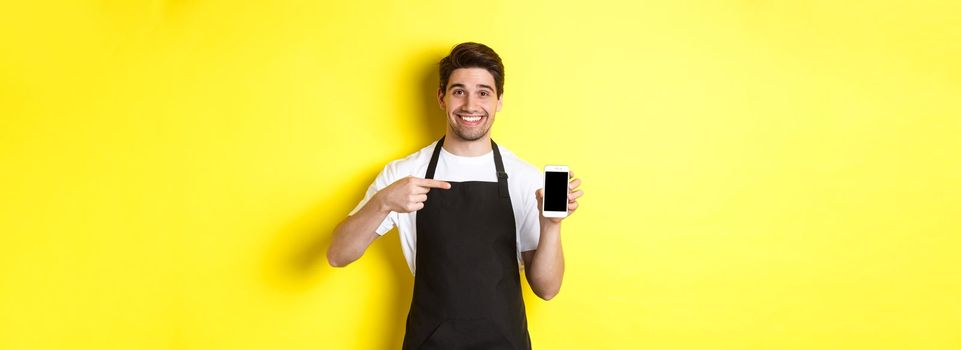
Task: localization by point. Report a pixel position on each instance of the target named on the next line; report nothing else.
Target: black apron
(467, 292)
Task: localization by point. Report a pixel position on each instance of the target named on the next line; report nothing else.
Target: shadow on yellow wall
(304, 241)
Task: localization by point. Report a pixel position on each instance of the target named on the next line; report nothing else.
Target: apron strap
(498, 164)
(433, 158)
(501, 174)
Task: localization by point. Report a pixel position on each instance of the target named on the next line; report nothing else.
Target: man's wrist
(548, 226)
(379, 204)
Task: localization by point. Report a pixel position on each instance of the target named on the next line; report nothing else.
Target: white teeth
(471, 119)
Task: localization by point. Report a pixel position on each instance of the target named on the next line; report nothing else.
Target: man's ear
(500, 103)
(440, 99)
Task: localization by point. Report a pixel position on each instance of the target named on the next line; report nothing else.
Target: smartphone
(556, 179)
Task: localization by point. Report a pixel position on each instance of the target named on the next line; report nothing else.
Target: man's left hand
(573, 194)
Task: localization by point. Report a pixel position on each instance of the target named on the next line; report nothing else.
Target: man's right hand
(408, 194)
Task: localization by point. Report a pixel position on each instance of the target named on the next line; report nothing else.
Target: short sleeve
(530, 224)
(383, 179)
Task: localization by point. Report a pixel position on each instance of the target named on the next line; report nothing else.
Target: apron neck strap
(501, 174)
(433, 158)
(498, 164)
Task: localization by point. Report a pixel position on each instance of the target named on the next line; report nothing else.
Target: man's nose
(469, 102)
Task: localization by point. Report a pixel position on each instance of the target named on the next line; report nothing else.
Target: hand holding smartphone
(555, 191)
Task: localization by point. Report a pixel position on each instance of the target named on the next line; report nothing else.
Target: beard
(471, 134)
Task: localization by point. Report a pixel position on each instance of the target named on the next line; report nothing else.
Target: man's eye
(484, 93)
(458, 92)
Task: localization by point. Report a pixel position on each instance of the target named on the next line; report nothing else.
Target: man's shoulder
(410, 164)
(518, 167)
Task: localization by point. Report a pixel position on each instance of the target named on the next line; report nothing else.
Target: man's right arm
(353, 235)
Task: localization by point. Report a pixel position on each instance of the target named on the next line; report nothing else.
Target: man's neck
(458, 147)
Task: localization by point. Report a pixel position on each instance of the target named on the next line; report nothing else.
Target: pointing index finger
(434, 184)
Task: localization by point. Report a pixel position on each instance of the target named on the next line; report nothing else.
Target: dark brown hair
(472, 55)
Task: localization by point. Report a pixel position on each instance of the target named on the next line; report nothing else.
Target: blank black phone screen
(555, 191)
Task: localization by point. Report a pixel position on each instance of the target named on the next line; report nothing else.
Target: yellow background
(757, 175)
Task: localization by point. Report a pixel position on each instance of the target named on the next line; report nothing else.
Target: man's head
(471, 89)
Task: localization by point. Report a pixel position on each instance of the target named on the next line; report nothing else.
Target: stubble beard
(468, 135)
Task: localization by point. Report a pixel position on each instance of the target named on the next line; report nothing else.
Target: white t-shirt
(523, 181)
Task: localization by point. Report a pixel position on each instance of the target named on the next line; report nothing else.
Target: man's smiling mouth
(471, 119)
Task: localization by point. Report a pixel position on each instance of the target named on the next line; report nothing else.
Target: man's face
(470, 102)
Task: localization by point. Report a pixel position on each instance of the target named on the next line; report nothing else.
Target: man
(468, 213)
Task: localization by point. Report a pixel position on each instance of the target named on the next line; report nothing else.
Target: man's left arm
(544, 266)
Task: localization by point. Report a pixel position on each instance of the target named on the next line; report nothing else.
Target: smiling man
(468, 212)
